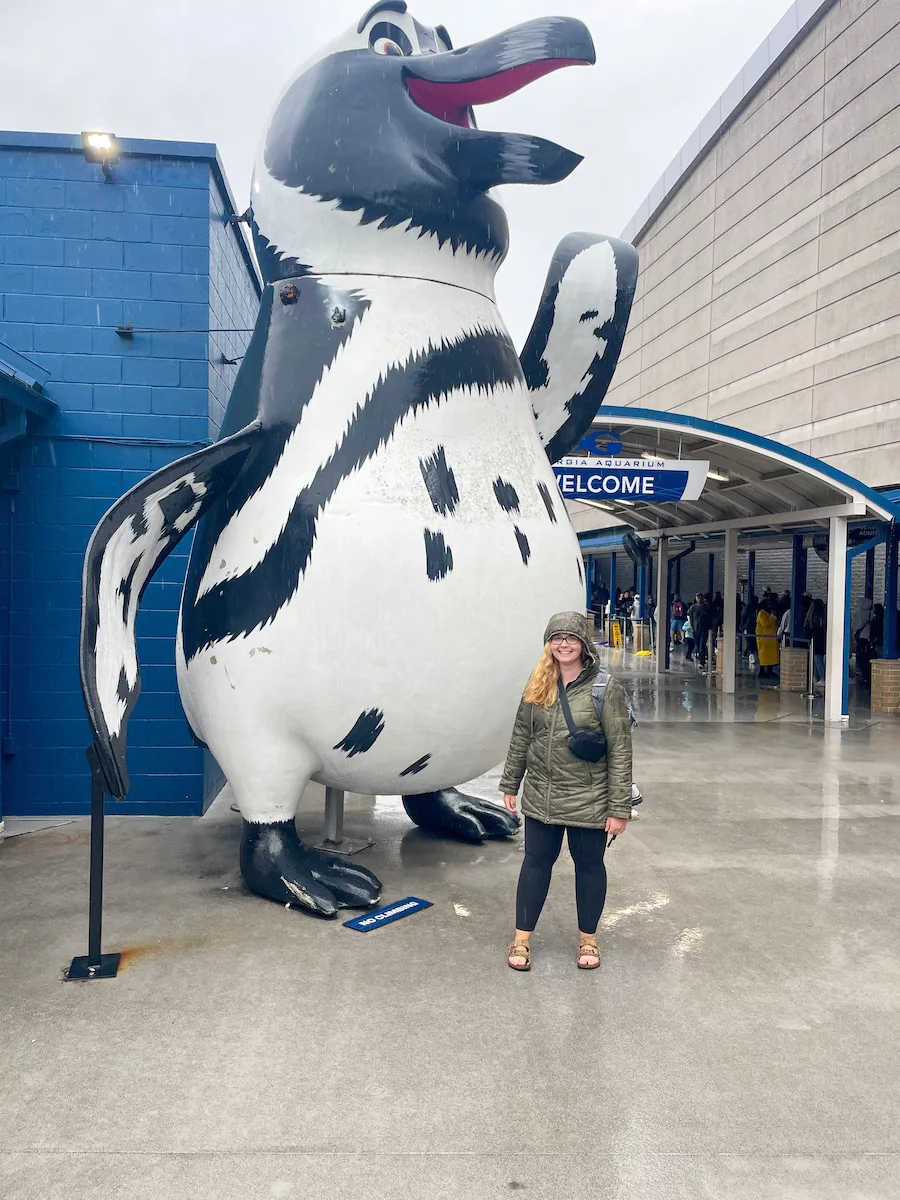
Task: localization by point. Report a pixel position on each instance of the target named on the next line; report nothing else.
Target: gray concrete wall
(768, 295)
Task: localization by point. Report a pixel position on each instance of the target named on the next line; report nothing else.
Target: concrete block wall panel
(767, 295)
(77, 258)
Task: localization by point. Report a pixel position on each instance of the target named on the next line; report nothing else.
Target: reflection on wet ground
(739, 1041)
(686, 693)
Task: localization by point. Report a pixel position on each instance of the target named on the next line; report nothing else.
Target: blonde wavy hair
(541, 685)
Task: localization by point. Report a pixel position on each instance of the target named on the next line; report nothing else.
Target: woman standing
(767, 640)
(564, 793)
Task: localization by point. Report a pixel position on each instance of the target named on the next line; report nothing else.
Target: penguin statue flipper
(125, 549)
(571, 352)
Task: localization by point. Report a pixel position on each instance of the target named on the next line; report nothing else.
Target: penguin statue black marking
(385, 452)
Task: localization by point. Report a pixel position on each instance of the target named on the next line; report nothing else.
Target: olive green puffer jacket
(561, 789)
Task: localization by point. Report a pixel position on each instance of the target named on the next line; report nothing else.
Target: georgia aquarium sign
(654, 480)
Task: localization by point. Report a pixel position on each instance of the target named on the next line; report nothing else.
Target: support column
(711, 576)
(837, 644)
(870, 574)
(798, 587)
(641, 591)
(729, 624)
(663, 607)
(588, 581)
(612, 585)
(891, 555)
(676, 575)
(751, 574)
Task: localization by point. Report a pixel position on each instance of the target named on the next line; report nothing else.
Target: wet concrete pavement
(740, 1040)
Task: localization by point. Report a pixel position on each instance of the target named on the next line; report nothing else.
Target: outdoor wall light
(102, 148)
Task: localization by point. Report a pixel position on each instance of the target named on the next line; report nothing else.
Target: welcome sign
(654, 480)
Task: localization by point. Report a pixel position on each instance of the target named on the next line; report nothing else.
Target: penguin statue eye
(387, 38)
(384, 45)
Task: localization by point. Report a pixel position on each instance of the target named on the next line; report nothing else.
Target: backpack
(598, 696)
(678, 611)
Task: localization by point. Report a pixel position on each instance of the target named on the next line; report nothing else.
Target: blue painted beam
(870, 575)
(865, 548)
(891, 555)
(798, 587)
(612, 582)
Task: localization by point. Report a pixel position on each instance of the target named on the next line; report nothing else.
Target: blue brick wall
(77, 258)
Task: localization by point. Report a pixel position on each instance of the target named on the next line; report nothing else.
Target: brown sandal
(588, 950)
(519, 950)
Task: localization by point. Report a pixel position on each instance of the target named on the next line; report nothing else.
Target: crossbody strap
(564, 701)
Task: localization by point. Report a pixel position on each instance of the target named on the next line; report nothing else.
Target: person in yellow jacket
(767, 640)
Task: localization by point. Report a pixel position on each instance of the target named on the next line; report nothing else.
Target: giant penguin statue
(380, 537)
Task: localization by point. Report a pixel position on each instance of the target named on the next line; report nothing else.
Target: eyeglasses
(560, 639)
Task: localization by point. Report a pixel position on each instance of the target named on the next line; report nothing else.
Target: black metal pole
(95, 965)
(95, 890)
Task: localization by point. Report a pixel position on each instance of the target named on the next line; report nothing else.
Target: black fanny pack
(589, 744)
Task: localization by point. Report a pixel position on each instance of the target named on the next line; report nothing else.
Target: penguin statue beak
(448, 85)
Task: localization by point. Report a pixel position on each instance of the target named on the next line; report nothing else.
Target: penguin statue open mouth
(380, 539)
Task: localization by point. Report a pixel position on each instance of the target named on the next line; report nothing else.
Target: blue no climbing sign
(391, 912)
(655, 480)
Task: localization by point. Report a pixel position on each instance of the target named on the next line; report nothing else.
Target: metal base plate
(346, 845)
(82, 968)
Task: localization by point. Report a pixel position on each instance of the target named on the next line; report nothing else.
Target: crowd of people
(764, 625)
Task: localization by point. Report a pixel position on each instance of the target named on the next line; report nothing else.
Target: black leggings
(542, 846)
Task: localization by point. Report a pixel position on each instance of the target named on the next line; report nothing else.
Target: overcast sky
(210, 70)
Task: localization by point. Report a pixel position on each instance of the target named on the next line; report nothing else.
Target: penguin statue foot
(457, 815)
(277, 865)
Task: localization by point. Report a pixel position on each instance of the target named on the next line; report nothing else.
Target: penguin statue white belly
(380, 537)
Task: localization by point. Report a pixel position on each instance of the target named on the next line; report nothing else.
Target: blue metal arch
(754, 442)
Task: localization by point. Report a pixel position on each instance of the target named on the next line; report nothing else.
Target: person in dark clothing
(718, 612)
(876, 638)
(699, 615)
(676, 621)
(748, 626)
(738, 613)
(600, 598)
(815, 630)
(861, 627)
(626, 600)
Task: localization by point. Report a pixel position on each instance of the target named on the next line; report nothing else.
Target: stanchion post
(95, 964)
(810, 674)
